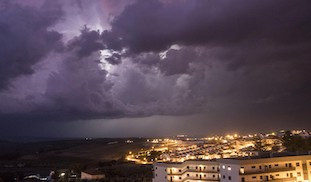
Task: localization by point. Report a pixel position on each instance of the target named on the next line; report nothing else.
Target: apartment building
(275, 169)
(287, 169)
(191, 170)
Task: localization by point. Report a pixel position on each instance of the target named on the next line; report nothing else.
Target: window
(269, 166)
(188, 167)
(229, 168)
(298, 173)
(179, 170)
(188, 175)
(196, 167)
(253, 167)
(297, 164)
(223, 167)
(179, 177)
(156, 168)
(213, 175)
(224, 177)
(243, 179)
(276, 165)
(242, 170)
(310, 163)
(156, 175)
(286, 165)
(259, 167)
(214, 167)
(277, 175)
(229, 177)
(260, 177)
(254, 177)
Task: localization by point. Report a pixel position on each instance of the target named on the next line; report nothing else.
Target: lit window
(242, 170)
(229, 168)
(223, 167)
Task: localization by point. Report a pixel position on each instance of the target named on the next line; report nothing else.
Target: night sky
(118, 68)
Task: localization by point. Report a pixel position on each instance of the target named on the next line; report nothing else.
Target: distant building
(276, 169)
(92, 175)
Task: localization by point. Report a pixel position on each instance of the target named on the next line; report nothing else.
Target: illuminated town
(182, 148)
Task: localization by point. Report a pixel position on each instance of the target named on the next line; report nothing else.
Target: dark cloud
(25, 38)
(236, 61)
(114, 59)
(87, 43)
(112, 40)
(154, 25)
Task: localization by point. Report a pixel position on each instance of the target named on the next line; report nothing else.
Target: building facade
(92, 175)
(275, 169)
(191, 170)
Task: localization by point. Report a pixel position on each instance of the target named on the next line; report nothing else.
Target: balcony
(284, 180)
(269, 170)
(192, 171)
(198, 179)
(278, 180)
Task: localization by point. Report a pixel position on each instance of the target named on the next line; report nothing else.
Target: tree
(296, 143)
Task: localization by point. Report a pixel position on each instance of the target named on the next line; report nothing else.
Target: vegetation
(296, 143)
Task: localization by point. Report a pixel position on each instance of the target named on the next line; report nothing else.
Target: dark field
(20, 158)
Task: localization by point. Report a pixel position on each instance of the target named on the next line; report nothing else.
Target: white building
(276, 169)
(191, 170)
(92, 175)
(289, 169)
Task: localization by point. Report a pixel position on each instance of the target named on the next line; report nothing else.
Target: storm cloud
(244, 59)
(25, 38)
